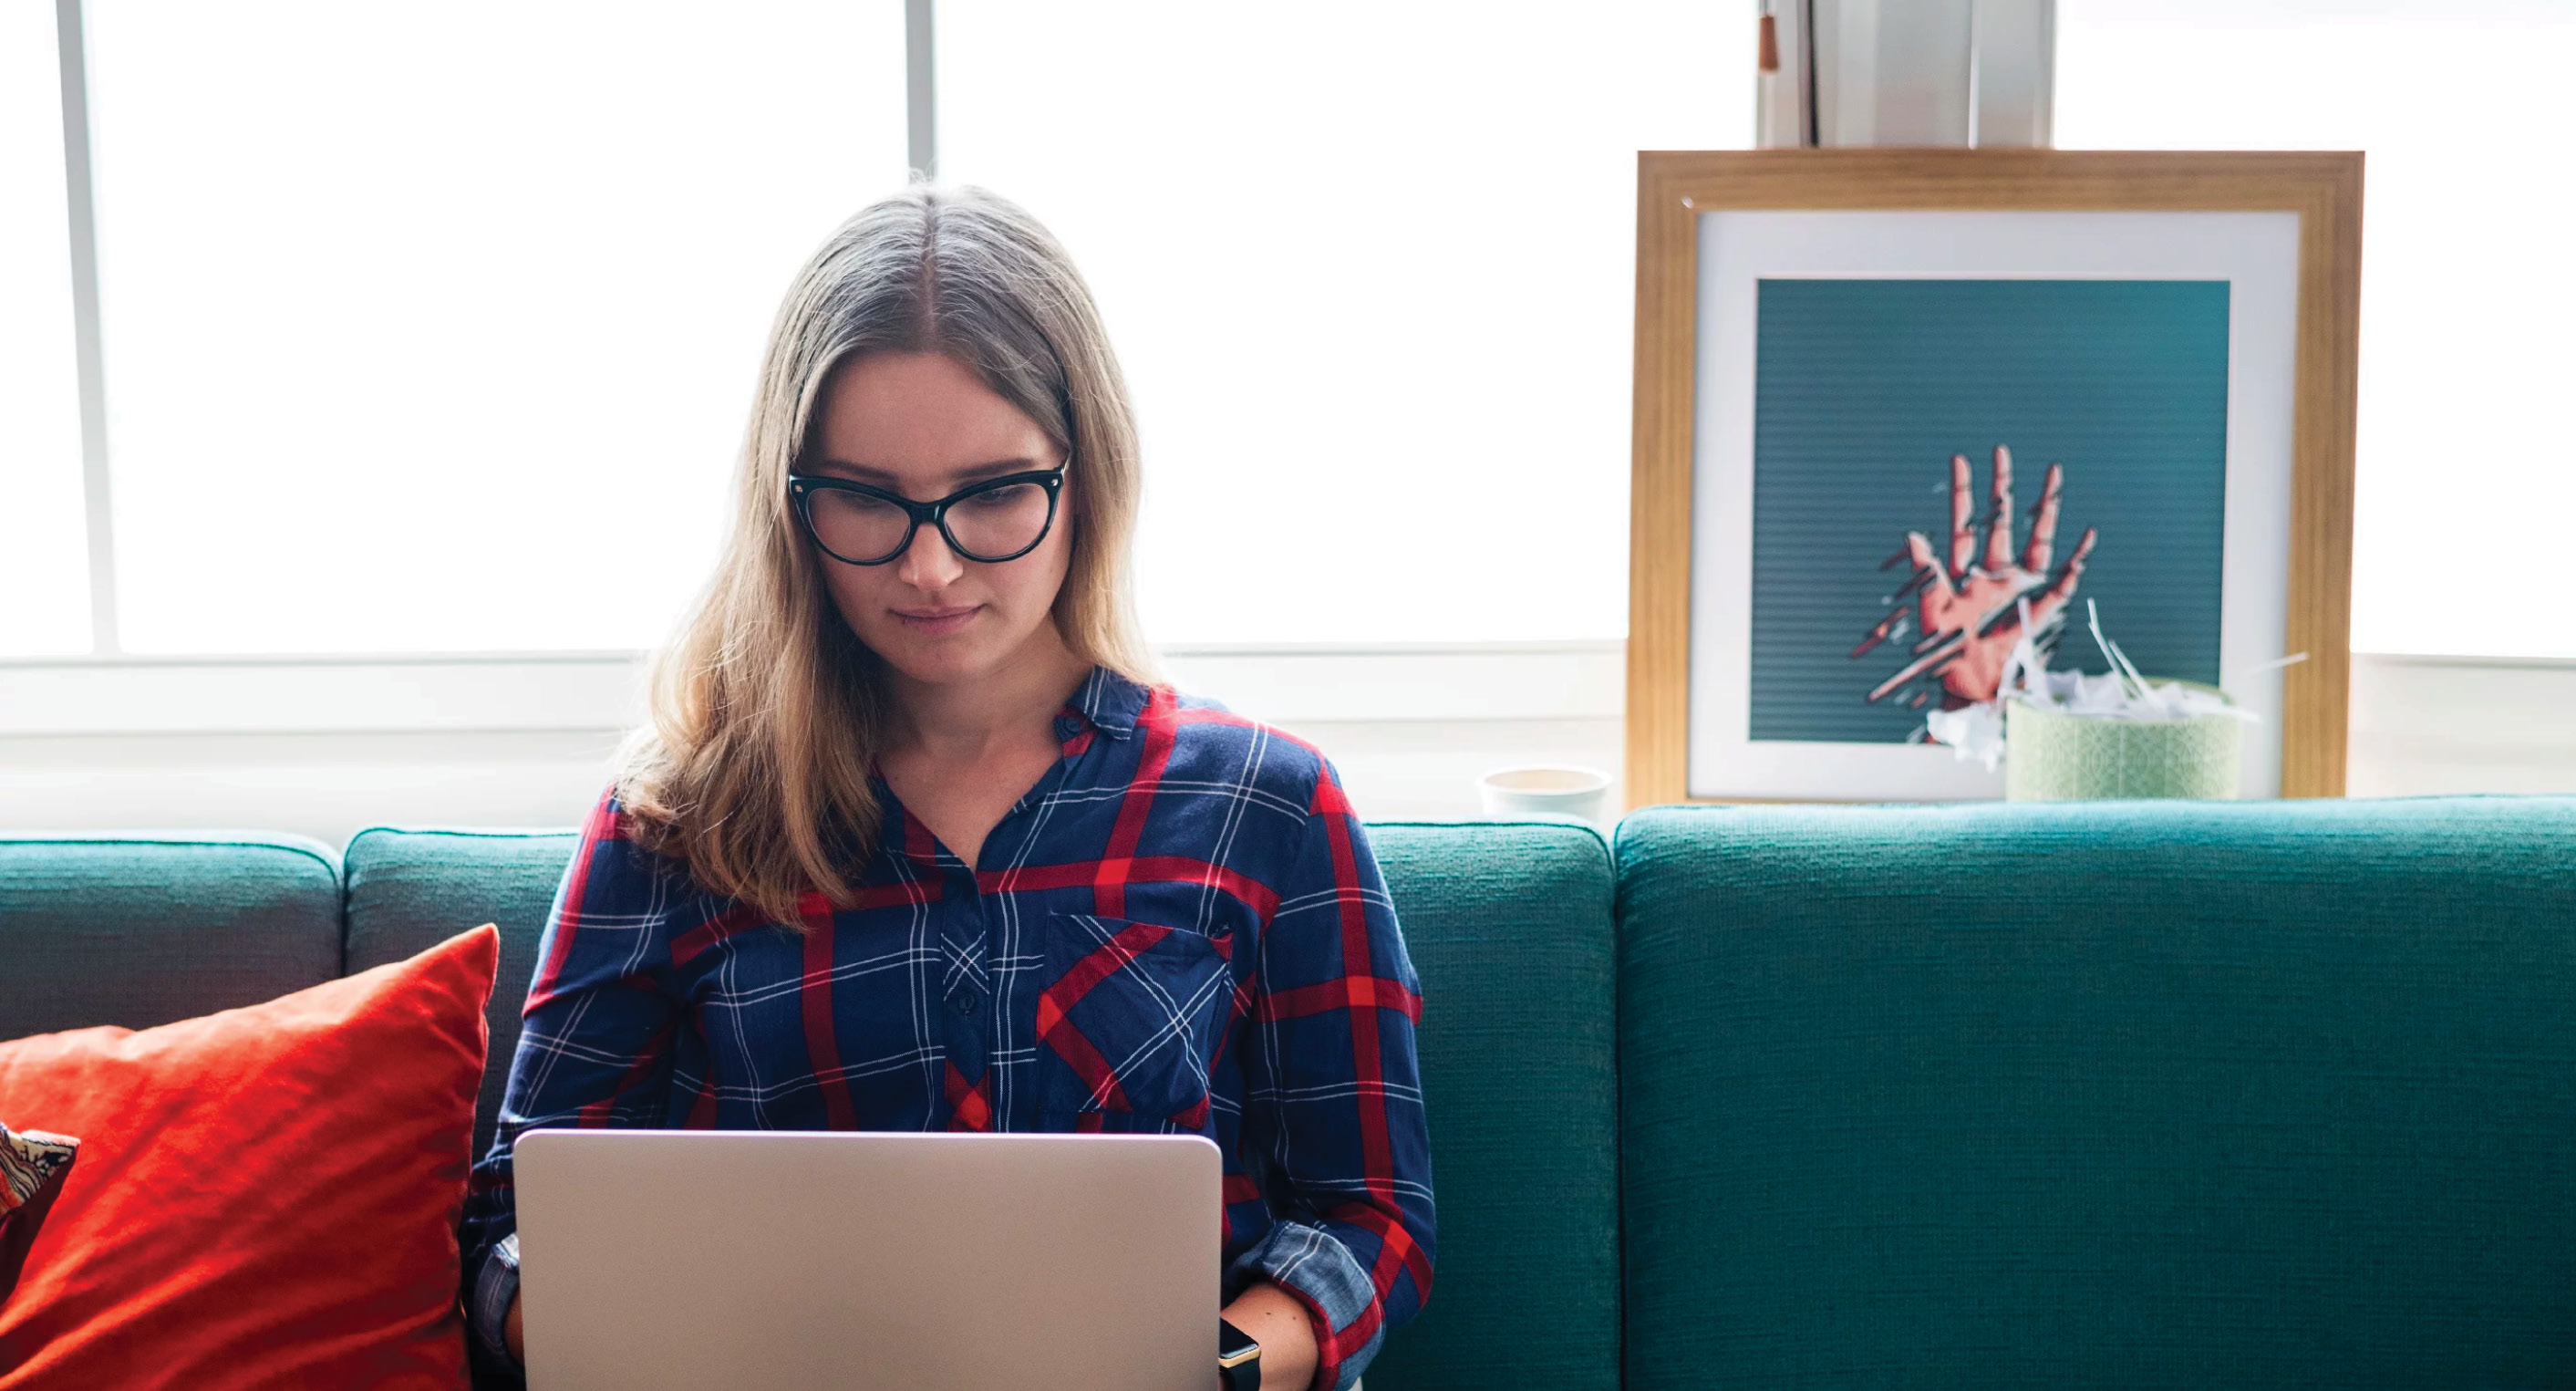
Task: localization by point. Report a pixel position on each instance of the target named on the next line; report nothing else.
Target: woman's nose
(928, 563)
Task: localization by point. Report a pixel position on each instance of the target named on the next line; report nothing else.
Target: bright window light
(44, 550)
(435, 327)
(1369, 269)
(2467, 475)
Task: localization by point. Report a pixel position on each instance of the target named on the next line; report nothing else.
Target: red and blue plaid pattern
(1179, 929)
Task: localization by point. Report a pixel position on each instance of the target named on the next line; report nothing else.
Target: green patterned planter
(2054, 757)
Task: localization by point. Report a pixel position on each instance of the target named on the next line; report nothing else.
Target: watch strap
(1238, 1358)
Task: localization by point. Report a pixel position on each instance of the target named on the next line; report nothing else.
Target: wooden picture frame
(1676, 189)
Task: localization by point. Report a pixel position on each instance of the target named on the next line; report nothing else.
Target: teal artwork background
(1863, 389)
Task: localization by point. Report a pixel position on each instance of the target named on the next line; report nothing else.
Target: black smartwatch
(1238, 1358)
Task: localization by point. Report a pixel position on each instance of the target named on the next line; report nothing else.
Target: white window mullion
(920, 92)
(89, 362)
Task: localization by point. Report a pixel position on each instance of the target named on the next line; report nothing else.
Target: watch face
(1233, 1346)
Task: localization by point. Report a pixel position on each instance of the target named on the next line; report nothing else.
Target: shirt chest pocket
(1129, 1021)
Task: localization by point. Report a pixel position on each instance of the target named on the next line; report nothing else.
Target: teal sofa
(2119, 1094)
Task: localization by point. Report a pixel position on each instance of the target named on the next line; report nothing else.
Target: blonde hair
(767, 711)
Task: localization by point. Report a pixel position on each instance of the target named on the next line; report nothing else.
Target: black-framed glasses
(996, 520)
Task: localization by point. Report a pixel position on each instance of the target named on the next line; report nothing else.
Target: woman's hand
(1267, 1314)
(513, 1335)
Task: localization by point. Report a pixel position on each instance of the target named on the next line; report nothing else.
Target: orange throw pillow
(266, 1197)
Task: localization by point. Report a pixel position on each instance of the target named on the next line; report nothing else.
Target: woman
(913, 841)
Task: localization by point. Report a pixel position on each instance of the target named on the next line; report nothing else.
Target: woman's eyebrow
(971, 473)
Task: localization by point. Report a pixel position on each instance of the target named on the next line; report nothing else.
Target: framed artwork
(1894, 407)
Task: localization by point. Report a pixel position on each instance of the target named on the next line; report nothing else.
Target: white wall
(327, 747)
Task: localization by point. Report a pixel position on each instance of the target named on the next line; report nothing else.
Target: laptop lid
(756, 1260)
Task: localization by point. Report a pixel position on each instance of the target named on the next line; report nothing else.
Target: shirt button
(964, 1001)
(1066, 727)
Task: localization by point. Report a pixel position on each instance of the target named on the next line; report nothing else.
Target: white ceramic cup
(1556, 793)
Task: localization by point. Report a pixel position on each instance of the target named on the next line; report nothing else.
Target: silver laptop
(765, 1260)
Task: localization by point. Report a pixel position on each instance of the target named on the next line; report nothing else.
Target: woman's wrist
(1277, 1320)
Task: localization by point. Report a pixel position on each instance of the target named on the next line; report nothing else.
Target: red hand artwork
(1970, 614)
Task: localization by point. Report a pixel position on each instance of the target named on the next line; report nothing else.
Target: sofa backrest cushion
(410, 890)
(1509, 929)
(2148, 1094)
(138, 930)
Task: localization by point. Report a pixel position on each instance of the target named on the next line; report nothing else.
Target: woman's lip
(935, 621)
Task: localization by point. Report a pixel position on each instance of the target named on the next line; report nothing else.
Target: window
(44, 548)
(2466, 479)
(436, 328)
(1368, 268)
(421, 327)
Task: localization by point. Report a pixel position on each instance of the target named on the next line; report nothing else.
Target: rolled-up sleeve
(595, 1047)
(1334, 1098)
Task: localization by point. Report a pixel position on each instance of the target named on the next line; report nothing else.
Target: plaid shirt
(1179, 929)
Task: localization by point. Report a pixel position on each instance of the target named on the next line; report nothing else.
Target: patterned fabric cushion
(32, 1165)
(30, 1161)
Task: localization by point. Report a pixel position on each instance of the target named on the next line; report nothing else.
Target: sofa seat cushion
(2275, 1094)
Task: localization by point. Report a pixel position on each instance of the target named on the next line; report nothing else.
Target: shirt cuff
(1340, 1298)
(495, 1288)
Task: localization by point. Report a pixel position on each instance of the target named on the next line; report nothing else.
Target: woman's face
(924, 426)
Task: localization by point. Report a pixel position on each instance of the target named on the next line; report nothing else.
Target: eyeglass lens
(991, 524)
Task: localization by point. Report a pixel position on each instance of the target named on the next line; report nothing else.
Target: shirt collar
(1111, 702)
